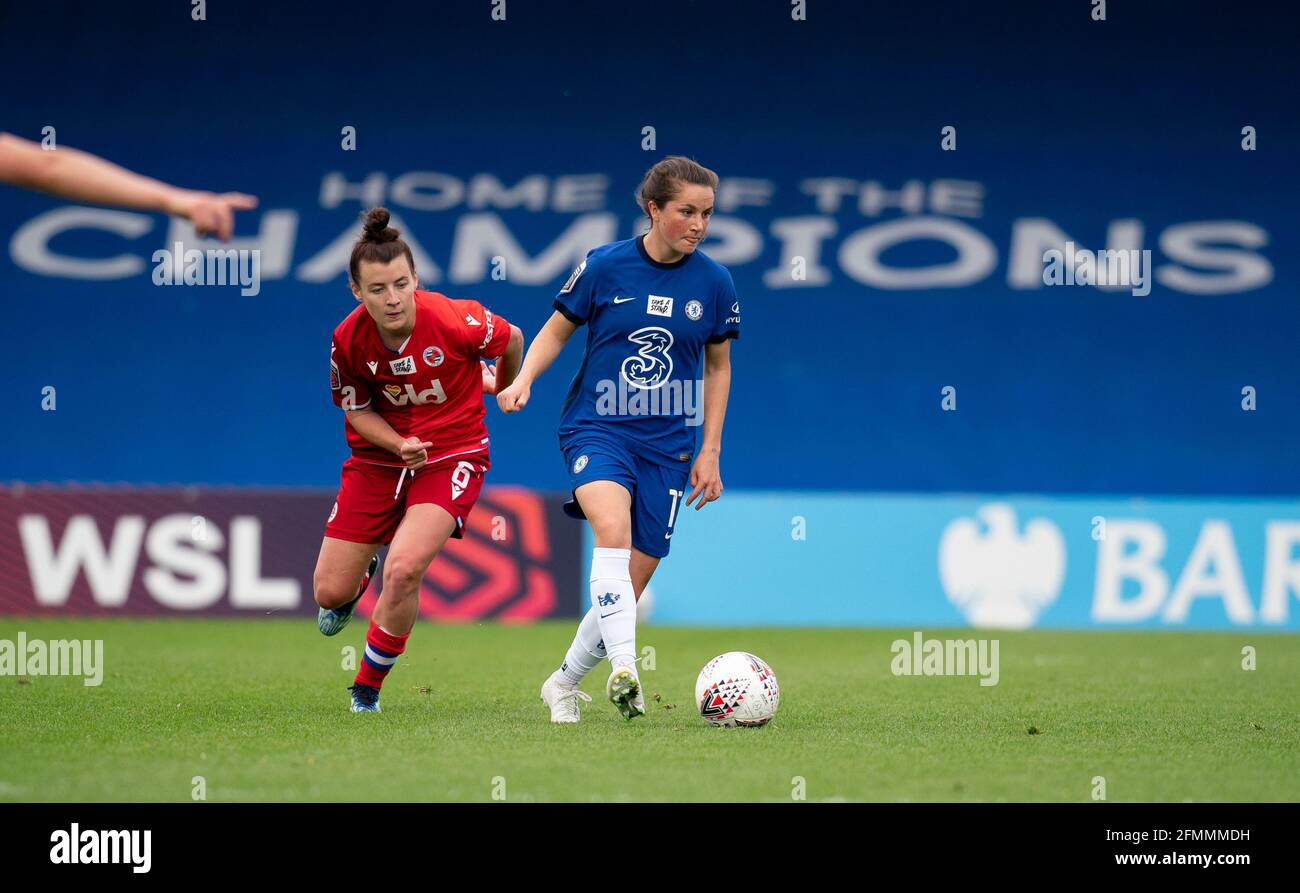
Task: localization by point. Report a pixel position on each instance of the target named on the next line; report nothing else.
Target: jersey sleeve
(486, 334)
(727, 310)
(348, 391)
(577, 296)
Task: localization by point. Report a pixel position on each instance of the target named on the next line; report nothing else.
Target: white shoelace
(572, 696)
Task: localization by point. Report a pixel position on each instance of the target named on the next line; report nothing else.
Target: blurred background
(920, 430)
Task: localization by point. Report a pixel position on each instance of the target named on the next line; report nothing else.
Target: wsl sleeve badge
(573, 278)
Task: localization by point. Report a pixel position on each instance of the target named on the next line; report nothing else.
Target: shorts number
(460, 478)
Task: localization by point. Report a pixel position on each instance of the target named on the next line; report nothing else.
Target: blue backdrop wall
(524, 139)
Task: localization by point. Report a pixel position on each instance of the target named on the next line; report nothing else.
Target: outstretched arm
(541, 354)
(82, 177)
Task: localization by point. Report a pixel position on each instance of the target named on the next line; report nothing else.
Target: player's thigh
(641, 568)
(365, 511)
(608, 507)
(602, 475)
(424, 530)
(656, 506)
(339, 568)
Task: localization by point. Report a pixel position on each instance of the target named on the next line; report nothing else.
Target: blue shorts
(658, 490)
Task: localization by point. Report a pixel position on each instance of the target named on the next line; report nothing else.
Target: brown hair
(665, 179)
(380, 243)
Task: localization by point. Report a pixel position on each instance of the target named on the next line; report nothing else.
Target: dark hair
(380, 243)
(664, 181)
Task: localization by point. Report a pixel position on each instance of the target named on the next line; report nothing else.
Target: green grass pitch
(259, 709)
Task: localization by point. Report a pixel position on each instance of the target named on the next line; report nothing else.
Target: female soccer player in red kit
(406, 367)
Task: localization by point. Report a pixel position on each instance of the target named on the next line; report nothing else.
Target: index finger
(699, 488)
(240, 201)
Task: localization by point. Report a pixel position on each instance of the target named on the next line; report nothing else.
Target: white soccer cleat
(562, 697)
(624, 690)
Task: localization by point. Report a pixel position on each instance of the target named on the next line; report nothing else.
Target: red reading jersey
(430, 388)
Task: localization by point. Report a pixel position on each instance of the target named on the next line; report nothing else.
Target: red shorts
(370, 504)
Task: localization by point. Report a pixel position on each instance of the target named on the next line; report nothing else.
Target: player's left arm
(706, 474)
(499, 377)
(491, 337)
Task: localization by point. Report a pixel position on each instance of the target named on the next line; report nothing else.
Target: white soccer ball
(737, 689)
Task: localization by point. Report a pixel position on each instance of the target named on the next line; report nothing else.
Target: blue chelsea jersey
(641, 379)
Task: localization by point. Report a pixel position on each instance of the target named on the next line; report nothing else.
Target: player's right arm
(347, 389)
(372, 426)
(541, 354)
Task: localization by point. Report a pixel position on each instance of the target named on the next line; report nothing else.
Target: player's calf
(331, 620)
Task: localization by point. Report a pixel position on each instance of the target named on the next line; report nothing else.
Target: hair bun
(377, 228)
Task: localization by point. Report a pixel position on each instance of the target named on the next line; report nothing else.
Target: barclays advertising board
(1011, 563)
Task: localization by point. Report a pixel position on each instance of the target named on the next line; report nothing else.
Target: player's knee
(612, 532)
(402, 575)
(329, 592)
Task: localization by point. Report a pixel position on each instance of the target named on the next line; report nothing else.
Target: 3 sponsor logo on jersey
(434, 356)
(471, 320)
(694, 310)
(623, 299)
(660, 306)
(374, 366)
(735, 318)
(335, 381)
(652, 364)
(487, 338)
(404, 366)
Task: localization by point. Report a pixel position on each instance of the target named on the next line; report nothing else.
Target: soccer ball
(737, 689)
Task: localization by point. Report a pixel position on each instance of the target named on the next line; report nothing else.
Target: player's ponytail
(663, 182)
(379, 243)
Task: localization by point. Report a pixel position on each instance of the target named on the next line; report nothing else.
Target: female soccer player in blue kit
(656, 310)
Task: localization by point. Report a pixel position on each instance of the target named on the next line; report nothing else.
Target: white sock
(587, 650)
(615, 603)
